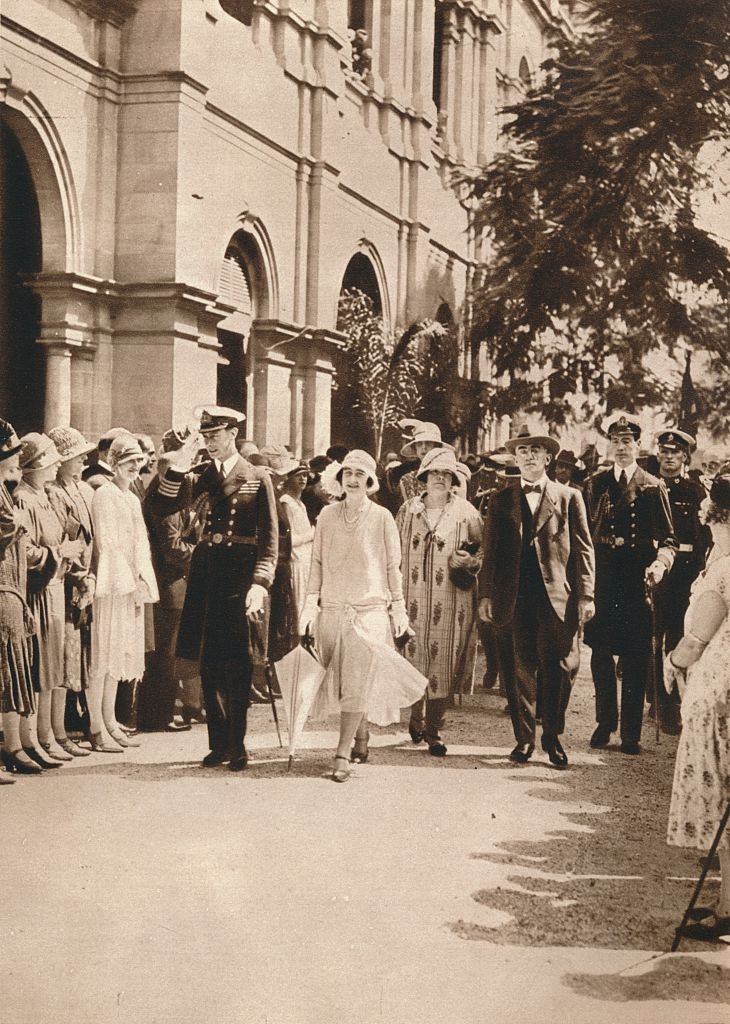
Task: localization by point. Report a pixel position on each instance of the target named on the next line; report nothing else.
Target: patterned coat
(441, 614)
(238, 547)
(18, 646)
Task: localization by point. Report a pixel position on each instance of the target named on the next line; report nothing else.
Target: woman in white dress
(125, 583)
(700, 664)
(355, 594)
(302, 531)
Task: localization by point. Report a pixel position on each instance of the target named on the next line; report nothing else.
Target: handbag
(462, 577)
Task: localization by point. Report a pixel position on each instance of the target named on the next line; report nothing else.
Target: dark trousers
(634, 671)
(541, 642)
(428, 716)
(226, 692)
(672, 602)
(160, 687)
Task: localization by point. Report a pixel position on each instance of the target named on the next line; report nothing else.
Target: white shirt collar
(228, 465)
(628, 470)
(541, 483)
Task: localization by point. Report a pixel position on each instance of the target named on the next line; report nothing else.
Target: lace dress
(701, 785)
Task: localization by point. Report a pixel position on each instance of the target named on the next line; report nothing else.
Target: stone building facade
(188, 185)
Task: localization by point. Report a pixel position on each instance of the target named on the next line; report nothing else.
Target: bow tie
(532, 489)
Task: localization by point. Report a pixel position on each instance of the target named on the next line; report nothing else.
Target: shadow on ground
(679, 978)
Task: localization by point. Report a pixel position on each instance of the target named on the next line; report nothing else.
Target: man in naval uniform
(631, 525)
(231, 571)
(674, 449)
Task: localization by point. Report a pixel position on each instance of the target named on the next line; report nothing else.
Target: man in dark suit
(631, 523)
(231, 571)
(536, 586)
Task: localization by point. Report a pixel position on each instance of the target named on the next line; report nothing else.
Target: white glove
(255, 601)
(674, 675)
(309, 614)
(184, 458)
(656, 571)
(399, 619)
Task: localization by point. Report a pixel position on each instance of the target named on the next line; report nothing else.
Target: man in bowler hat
(231, 571)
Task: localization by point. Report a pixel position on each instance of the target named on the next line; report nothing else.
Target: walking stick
(649, 588)
(268, 672)
(701, 880)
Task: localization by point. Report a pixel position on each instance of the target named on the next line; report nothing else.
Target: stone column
(57, 410)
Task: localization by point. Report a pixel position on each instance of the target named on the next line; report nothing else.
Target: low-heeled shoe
(630, 747)
(238, 763)
(44, 762)
(17, 761)
(522, 753)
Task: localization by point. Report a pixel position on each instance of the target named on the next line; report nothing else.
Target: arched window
(22, 360)
(240, 293)
(360, 275)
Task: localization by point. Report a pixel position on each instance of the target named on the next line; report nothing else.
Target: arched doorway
(22, 360)
(242, 293)
(348, 427)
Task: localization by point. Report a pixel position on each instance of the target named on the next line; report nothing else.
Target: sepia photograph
(365, 511)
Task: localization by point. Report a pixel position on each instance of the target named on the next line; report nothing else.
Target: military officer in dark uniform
(674, 449)
(231, 571)
(631, 525)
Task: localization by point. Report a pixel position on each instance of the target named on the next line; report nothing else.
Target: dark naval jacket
(630, 530)
(238, 547)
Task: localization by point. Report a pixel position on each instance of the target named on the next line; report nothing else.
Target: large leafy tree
(598, 261)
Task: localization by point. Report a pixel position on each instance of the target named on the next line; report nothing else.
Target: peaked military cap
(677, 440)
(621, 423)
(213, 417)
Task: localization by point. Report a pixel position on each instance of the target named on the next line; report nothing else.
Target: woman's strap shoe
(123, 739)
(99, 744)
(44, 762)
(340, 774)
(360, 751)
(19, 762)
(53, 754)
(73, 748)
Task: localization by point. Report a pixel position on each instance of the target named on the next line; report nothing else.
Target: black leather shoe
(489, 680)
(437, 748)
(213, 759)
(415, 734)
(601, 737)
(238, 763)
(522, 753)
(554, 750)
(630, 747)
(191, 715)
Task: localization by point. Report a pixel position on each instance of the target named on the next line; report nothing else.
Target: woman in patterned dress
(441, 540)
(71, 498)
(17, 626)
(700, 664)
(50, 553)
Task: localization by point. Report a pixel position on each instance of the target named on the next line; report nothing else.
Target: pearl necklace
(353, 522)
